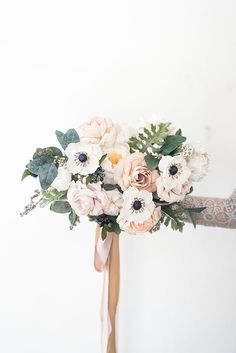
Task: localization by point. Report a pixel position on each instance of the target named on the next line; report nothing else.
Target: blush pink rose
(87, 199)
(114, 203)
(133, 171)
(98, 130)
(135, 227)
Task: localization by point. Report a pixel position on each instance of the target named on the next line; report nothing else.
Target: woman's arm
(218, 213)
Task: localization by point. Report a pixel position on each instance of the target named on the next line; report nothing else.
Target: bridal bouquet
(121, 182)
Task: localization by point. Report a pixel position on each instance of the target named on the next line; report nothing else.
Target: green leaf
(102, 159)
(109, 187)
(176, 223)
(151, 138)
(104, 233)
(47, 173)
(55, 151)
(179, 132)
(38, 161)
(89, 178)
(196, 209)
(190, 190)
(27, 173)
(73, 218)
(52, 195)
(60, 207)
(71, 136)
(152, 161)
(116, 228)
(171, 143)
(192, 218)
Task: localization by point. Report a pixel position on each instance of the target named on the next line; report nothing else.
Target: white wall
(60, 63)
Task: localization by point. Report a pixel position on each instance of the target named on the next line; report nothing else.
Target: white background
(62, 62)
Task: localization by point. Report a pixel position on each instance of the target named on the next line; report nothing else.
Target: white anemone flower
(83, 158)
(174, 171)
(63, 179)
(138, 205)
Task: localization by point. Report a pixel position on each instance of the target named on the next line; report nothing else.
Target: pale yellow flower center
(114, 158)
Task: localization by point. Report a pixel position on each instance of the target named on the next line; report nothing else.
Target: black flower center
(83, 157)
(173, 170)
(137, 205)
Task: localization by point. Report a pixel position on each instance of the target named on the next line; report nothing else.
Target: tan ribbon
(107, 259)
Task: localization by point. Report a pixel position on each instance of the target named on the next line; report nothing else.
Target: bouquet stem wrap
(107, 260)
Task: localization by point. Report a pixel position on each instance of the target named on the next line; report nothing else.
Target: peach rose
(98, 130)
(86, 199)
(133, 171)
(135, 227)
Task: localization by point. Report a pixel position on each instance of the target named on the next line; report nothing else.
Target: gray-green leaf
(71, 136)
(47, 173)
(39, 160)
(60, 207)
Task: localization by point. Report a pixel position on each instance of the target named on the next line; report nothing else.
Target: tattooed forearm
(218, 212)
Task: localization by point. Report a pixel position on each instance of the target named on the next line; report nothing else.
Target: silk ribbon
(107, 260)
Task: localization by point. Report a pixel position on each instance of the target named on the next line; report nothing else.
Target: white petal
(140, 217)
(72, 149)
(164, 163)
(91, 166)
(96, 151)
(146, 196)
(126, 212)
(73, 167)
(130, 193)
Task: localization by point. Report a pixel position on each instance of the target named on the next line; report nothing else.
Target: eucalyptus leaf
(60, 207)
(71, 136)
(73, 218)
(52, 195)
(34, 165)
(55, 151)
(47, 173)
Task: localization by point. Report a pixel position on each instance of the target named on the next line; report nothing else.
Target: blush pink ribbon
(107, 260)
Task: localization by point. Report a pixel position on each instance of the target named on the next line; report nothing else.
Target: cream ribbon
(107, 259)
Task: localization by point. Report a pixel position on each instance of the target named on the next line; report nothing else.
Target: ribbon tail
(113, 293)
(107, 259)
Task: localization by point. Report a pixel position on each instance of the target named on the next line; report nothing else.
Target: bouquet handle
(107, 260)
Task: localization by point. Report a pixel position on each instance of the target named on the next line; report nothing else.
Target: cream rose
(175, 194)
(114, 155)
(87, 199)
(101, 131)
(133, 171)
(198, 164)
